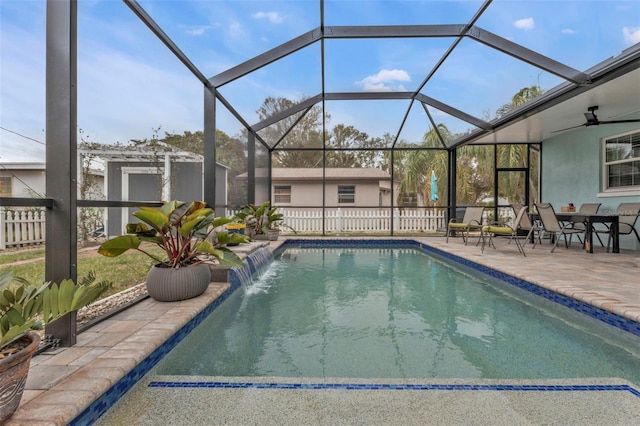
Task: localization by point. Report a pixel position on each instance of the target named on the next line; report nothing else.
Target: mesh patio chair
(497, 230)
(471, 221)
(586, 208)
(553, 226)
(628, 213)
(533, 229)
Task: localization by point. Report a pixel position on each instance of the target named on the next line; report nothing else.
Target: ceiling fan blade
(569, 128)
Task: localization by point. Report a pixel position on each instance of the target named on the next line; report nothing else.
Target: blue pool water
(390, 312)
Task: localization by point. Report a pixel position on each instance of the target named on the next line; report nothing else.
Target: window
(282, 194)
(622, 161)
(5, 187)
(346, 194)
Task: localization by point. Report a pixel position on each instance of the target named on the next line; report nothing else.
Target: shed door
(140, 184)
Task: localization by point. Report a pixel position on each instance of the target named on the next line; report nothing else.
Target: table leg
(615, 236)
(588, 236)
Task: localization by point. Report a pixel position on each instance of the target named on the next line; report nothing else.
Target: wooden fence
(19, 227)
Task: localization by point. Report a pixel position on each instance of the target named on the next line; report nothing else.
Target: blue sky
(130, 84)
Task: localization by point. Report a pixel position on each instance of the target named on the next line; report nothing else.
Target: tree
(339, 141)
(304, 131)
(89, 218)
(230, 152)
(513, 155)
(417, 167)
(524, 95)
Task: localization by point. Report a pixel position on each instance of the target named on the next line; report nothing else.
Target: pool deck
(64, 382)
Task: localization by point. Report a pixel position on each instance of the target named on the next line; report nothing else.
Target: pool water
(395, 313)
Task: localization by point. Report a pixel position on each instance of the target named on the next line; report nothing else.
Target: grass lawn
(124, 271)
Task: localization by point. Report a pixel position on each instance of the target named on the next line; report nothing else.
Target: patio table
(589, 220)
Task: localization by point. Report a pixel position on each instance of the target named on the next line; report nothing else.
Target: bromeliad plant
(184, 232)
(25, 307)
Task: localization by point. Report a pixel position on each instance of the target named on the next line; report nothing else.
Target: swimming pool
(382, 312)
(619, 322)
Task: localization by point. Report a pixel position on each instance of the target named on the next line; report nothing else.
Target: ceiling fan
(592, 120)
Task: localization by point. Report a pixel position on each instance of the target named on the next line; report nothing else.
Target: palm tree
(516, 155)
(419, 164)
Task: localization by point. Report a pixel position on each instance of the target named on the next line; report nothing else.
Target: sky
(130, 86)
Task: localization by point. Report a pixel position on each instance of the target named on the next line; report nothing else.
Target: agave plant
(25, 306)
(182, 231)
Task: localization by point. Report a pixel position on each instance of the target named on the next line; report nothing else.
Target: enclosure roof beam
(366, 96)
(627, 61)
(529, 56)
(394, 31)
(454, 112)
(266, 58)
(291, 127)
(155, 28)
(307, 103)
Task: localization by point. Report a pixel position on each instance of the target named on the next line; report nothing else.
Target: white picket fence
(339, 220)
(20, 227)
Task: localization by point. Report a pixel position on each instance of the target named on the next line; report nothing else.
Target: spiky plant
(25, 307)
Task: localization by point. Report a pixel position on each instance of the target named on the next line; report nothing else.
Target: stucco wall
(572, 171)
(25, 183)
(310, 194)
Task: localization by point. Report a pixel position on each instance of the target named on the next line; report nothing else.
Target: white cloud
(273, 17)
(384, 81)
(525, 24)
(631, 35)
(198, 30)
(568, 31)
(236, 30)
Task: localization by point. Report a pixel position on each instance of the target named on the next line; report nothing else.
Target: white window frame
(8, 179)
(342, 196)
(616, 191)
(279, 197)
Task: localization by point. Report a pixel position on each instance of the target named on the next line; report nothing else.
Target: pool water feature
(395, 313)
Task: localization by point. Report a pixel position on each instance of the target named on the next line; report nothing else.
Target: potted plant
(25, 307)
(263, 221)
(186, 234)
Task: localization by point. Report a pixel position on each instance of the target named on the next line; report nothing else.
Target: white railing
(339, 220)
(20, 227)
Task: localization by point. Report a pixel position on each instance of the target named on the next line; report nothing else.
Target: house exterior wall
(310, 194)
(25, 183)
(572, 172)
(29, 183)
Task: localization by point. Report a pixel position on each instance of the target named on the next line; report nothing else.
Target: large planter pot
(173, 284)
(13, 376)
(274, 234)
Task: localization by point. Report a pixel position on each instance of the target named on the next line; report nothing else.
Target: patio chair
(586, 208)
(628, 215)
(553, 226)
(498, 230)
(472, 220)
(533, 229)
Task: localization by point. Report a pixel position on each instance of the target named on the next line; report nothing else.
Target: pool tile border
(111, 396)
(399, 386)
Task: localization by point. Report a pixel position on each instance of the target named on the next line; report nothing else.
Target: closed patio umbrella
(434, 187)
